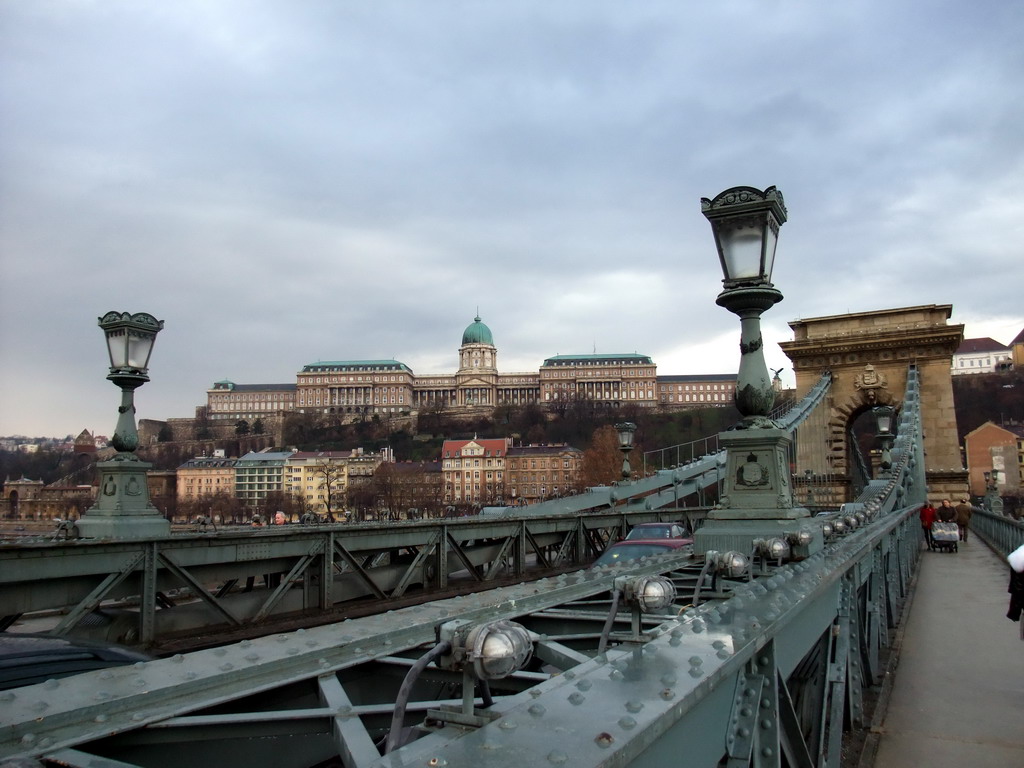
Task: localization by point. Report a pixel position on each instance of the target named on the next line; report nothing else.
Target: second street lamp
(745, 223)
(883, 417)
(757, 501)
(626, 431)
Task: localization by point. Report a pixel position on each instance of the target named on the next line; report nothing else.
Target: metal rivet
(557, 758)
(627, 723)
(667, 693)
(577, 698)
(634, 706)
(604, 740)
(537, 710)
(584, 685)
(507, 725)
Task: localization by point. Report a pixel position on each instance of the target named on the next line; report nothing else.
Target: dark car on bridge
(27, 659)
(634, 549)
(658, 531)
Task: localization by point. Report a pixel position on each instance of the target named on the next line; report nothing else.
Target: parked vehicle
(637, 548)
(27, 659)
(658, 531)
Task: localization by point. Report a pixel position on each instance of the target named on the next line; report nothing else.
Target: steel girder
(192, 582)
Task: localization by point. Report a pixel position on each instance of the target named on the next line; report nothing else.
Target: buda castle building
(390, 386)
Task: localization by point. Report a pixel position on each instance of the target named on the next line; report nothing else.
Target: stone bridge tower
(868, 354)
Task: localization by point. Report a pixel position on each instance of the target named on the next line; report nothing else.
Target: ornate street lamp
(745, 223)
(757, 501)
(626, 431)
(883, 417)
(123, 509)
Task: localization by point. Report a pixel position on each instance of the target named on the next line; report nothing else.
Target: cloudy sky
(285, 182)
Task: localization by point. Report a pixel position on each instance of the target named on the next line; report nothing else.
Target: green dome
(477, 333)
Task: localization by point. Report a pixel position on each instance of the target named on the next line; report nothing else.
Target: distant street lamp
(626, 431)
(883, 417)
(123, 509)
(757, 501)
(993, 501)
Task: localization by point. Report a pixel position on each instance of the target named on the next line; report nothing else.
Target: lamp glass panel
(741, 250)
(117, 347)
(625, 436)
(139, 348)
(771, 239)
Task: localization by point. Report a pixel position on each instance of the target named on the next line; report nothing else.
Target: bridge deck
(958, 693)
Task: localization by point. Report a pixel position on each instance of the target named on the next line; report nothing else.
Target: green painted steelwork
(238, 578)
(776, 668)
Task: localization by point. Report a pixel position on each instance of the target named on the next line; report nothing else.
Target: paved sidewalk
(958, 693)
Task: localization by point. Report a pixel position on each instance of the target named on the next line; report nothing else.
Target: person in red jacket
(927, 518)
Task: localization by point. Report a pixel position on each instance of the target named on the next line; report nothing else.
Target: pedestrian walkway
(958, 694)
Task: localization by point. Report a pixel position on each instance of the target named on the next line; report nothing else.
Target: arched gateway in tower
(868, 354)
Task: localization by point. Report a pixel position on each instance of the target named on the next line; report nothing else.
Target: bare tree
(330, 476)
(602, 461)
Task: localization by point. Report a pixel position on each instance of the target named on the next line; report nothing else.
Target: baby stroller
(945, 536)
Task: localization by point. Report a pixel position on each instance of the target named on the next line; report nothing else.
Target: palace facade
(391, 386)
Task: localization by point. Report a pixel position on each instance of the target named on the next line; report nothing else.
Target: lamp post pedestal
(757, 502)
(123, 509)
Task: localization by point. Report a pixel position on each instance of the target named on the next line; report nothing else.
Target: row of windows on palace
(237, 403)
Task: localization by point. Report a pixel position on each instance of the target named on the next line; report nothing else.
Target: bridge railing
(1003, 534)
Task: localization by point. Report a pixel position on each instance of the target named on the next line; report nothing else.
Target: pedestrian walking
(1016, 588)
(946, 512)
(964, 510)
(927, 519)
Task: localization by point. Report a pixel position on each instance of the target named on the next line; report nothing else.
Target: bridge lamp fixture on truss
(644, 594)
(481, 652)
(757, 501)
(123, 509)
(720, 565)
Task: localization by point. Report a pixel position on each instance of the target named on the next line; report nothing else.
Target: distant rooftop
(231, 386)
(619, 358)
(697, 377)
(974, 346)
(346, 366)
